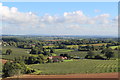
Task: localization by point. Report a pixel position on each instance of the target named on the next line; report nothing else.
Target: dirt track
(105, 76)
(98, 75)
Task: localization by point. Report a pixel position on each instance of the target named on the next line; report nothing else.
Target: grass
(50, 46)
(72, 46)
(113, 47)
(63, 50)
(76, 46)
(80, 66)
(1, 68)
(16, 52)
(68, 60)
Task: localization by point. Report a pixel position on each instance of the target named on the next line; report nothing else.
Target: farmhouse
(57, 58)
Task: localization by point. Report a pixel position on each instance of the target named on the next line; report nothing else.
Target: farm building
(56, 58)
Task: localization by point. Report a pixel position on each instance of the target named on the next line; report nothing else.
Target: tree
(51, 51)
(33, 51)
(49, 60)
(61, 46)
(109, 55)
(8, 51)
(90, 55)
(108, 52)
(88, 47)
(31, 60)
(11, 69)
(41, 58)
(16, 72)
(61, 54)
(108, 45)
(99, 57)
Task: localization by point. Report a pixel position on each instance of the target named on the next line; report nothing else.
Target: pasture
(77, 66)
(16, 52)
(113, 47)
(63, 50)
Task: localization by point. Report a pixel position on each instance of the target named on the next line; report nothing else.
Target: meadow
(77, 66)
(113, 47)
(16, 52)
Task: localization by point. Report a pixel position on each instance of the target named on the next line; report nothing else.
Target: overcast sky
(59, 18)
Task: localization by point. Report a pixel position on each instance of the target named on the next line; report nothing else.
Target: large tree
(90, 54)
(109, 54)
(8, 51)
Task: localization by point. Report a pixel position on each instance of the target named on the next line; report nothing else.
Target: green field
(76, 46)
(16, 52)
(113, 47)
(0, 68)
(72, 46)
(80, 66)
(63, 50)
(50, 46)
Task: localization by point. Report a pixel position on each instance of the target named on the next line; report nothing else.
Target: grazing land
(16, 52)
(114, 47)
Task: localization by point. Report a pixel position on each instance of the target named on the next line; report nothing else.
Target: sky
(59, 18)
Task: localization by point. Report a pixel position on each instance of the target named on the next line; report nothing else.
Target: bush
(13, 68)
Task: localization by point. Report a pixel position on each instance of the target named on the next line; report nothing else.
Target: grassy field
(1, 68)
(113, 47)
(80, 66)
(72, 46)
(16, 52)
(50, 46)
(76, 46)
(63, 50)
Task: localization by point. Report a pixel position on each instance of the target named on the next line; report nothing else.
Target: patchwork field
(79, 66)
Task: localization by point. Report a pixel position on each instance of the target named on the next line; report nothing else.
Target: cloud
(13, 18)
(102, 19)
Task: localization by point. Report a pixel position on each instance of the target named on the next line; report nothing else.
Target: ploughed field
(78, 66)
(97, 76)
